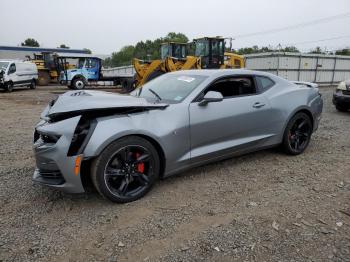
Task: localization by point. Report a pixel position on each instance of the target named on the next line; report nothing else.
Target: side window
(90, 63)
(234, 86)
(264, 83)
(12, 69)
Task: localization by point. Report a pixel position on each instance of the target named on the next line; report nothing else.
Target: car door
(92, 69)
(239, 122)
(12, 74)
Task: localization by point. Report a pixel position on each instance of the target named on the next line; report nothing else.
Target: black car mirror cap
(211, 96)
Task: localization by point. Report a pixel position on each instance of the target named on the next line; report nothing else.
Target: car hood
(74, 103)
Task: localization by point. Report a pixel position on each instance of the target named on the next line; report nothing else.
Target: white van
(15, 73)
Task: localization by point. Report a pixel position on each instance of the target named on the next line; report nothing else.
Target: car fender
(107, 131)
(80, 76)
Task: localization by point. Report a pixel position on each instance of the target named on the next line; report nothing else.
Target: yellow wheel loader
(209, 54)
(173, 58)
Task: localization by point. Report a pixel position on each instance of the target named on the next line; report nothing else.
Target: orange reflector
(77, 165)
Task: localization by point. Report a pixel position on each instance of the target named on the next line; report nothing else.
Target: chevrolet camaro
(124, 143)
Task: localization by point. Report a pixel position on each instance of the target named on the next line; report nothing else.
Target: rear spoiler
(308, 84)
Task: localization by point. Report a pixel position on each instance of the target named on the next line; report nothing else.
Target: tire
(43, 78)
(116, 179)
(32, 85)
(128, 85)
(9, 87)
(78, 84)
(297, 134)
(154, 75)
(341, 108)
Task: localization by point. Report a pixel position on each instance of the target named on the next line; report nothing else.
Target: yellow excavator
(209, 53)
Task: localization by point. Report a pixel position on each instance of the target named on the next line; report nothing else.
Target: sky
(104, 26)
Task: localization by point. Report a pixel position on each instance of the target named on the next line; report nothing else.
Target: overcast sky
(105, 26)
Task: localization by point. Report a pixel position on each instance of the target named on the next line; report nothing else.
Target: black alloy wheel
(297, 134)
(126, 170)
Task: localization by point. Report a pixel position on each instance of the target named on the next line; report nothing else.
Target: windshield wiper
(140, 90)
(154, 93)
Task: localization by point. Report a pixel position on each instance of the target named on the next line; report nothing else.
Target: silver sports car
(124, 143)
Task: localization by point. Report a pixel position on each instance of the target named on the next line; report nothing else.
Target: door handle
(258, 105)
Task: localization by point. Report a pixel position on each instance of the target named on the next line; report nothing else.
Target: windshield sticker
(186, 79)
(178, 98)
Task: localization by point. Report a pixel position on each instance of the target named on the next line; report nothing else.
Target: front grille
(346, 92)
(50, 177)
(50, 174)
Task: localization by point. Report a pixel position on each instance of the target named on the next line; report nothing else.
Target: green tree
(145, 50)
(345, 51)
(291, 49)
(88, 50)
(317, 50)
(63, 46)
(30, 42)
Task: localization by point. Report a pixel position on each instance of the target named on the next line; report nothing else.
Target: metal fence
(321, 69)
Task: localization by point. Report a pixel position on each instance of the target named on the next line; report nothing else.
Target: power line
(313, 22)
(320, 40)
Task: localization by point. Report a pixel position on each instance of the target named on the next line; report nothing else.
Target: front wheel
(78, 83)
(9, 87)
(126, 170)
(297, 135)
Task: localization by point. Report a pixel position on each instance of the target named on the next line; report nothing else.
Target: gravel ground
(264, 206)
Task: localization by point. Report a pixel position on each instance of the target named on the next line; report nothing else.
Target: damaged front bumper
(54, 168)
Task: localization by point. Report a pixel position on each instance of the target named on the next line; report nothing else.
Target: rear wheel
(297, 134)
(78, 83)
(341, 108)
(126, 170)
(43, 78)
(32, 85)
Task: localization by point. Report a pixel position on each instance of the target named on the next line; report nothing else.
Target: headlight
(341, 86)
(45, 138)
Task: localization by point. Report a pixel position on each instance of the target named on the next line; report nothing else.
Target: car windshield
(169, 88)
(3, 65)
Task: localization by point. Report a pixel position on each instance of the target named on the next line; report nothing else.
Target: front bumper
(53, 167)
(341, 98)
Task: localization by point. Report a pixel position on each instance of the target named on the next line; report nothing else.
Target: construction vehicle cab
(173, 49)
(211, 51)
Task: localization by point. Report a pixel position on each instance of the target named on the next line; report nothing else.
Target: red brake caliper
(140, 166)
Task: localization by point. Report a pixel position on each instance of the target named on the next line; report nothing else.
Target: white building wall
(322, 69)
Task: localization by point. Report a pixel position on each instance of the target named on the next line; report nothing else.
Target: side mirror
(211, 96)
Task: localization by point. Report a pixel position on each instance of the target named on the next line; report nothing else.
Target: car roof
(220, 72)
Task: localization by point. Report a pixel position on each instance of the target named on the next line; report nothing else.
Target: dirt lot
(264, 206)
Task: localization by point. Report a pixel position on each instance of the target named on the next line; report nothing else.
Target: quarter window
(264, 83)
